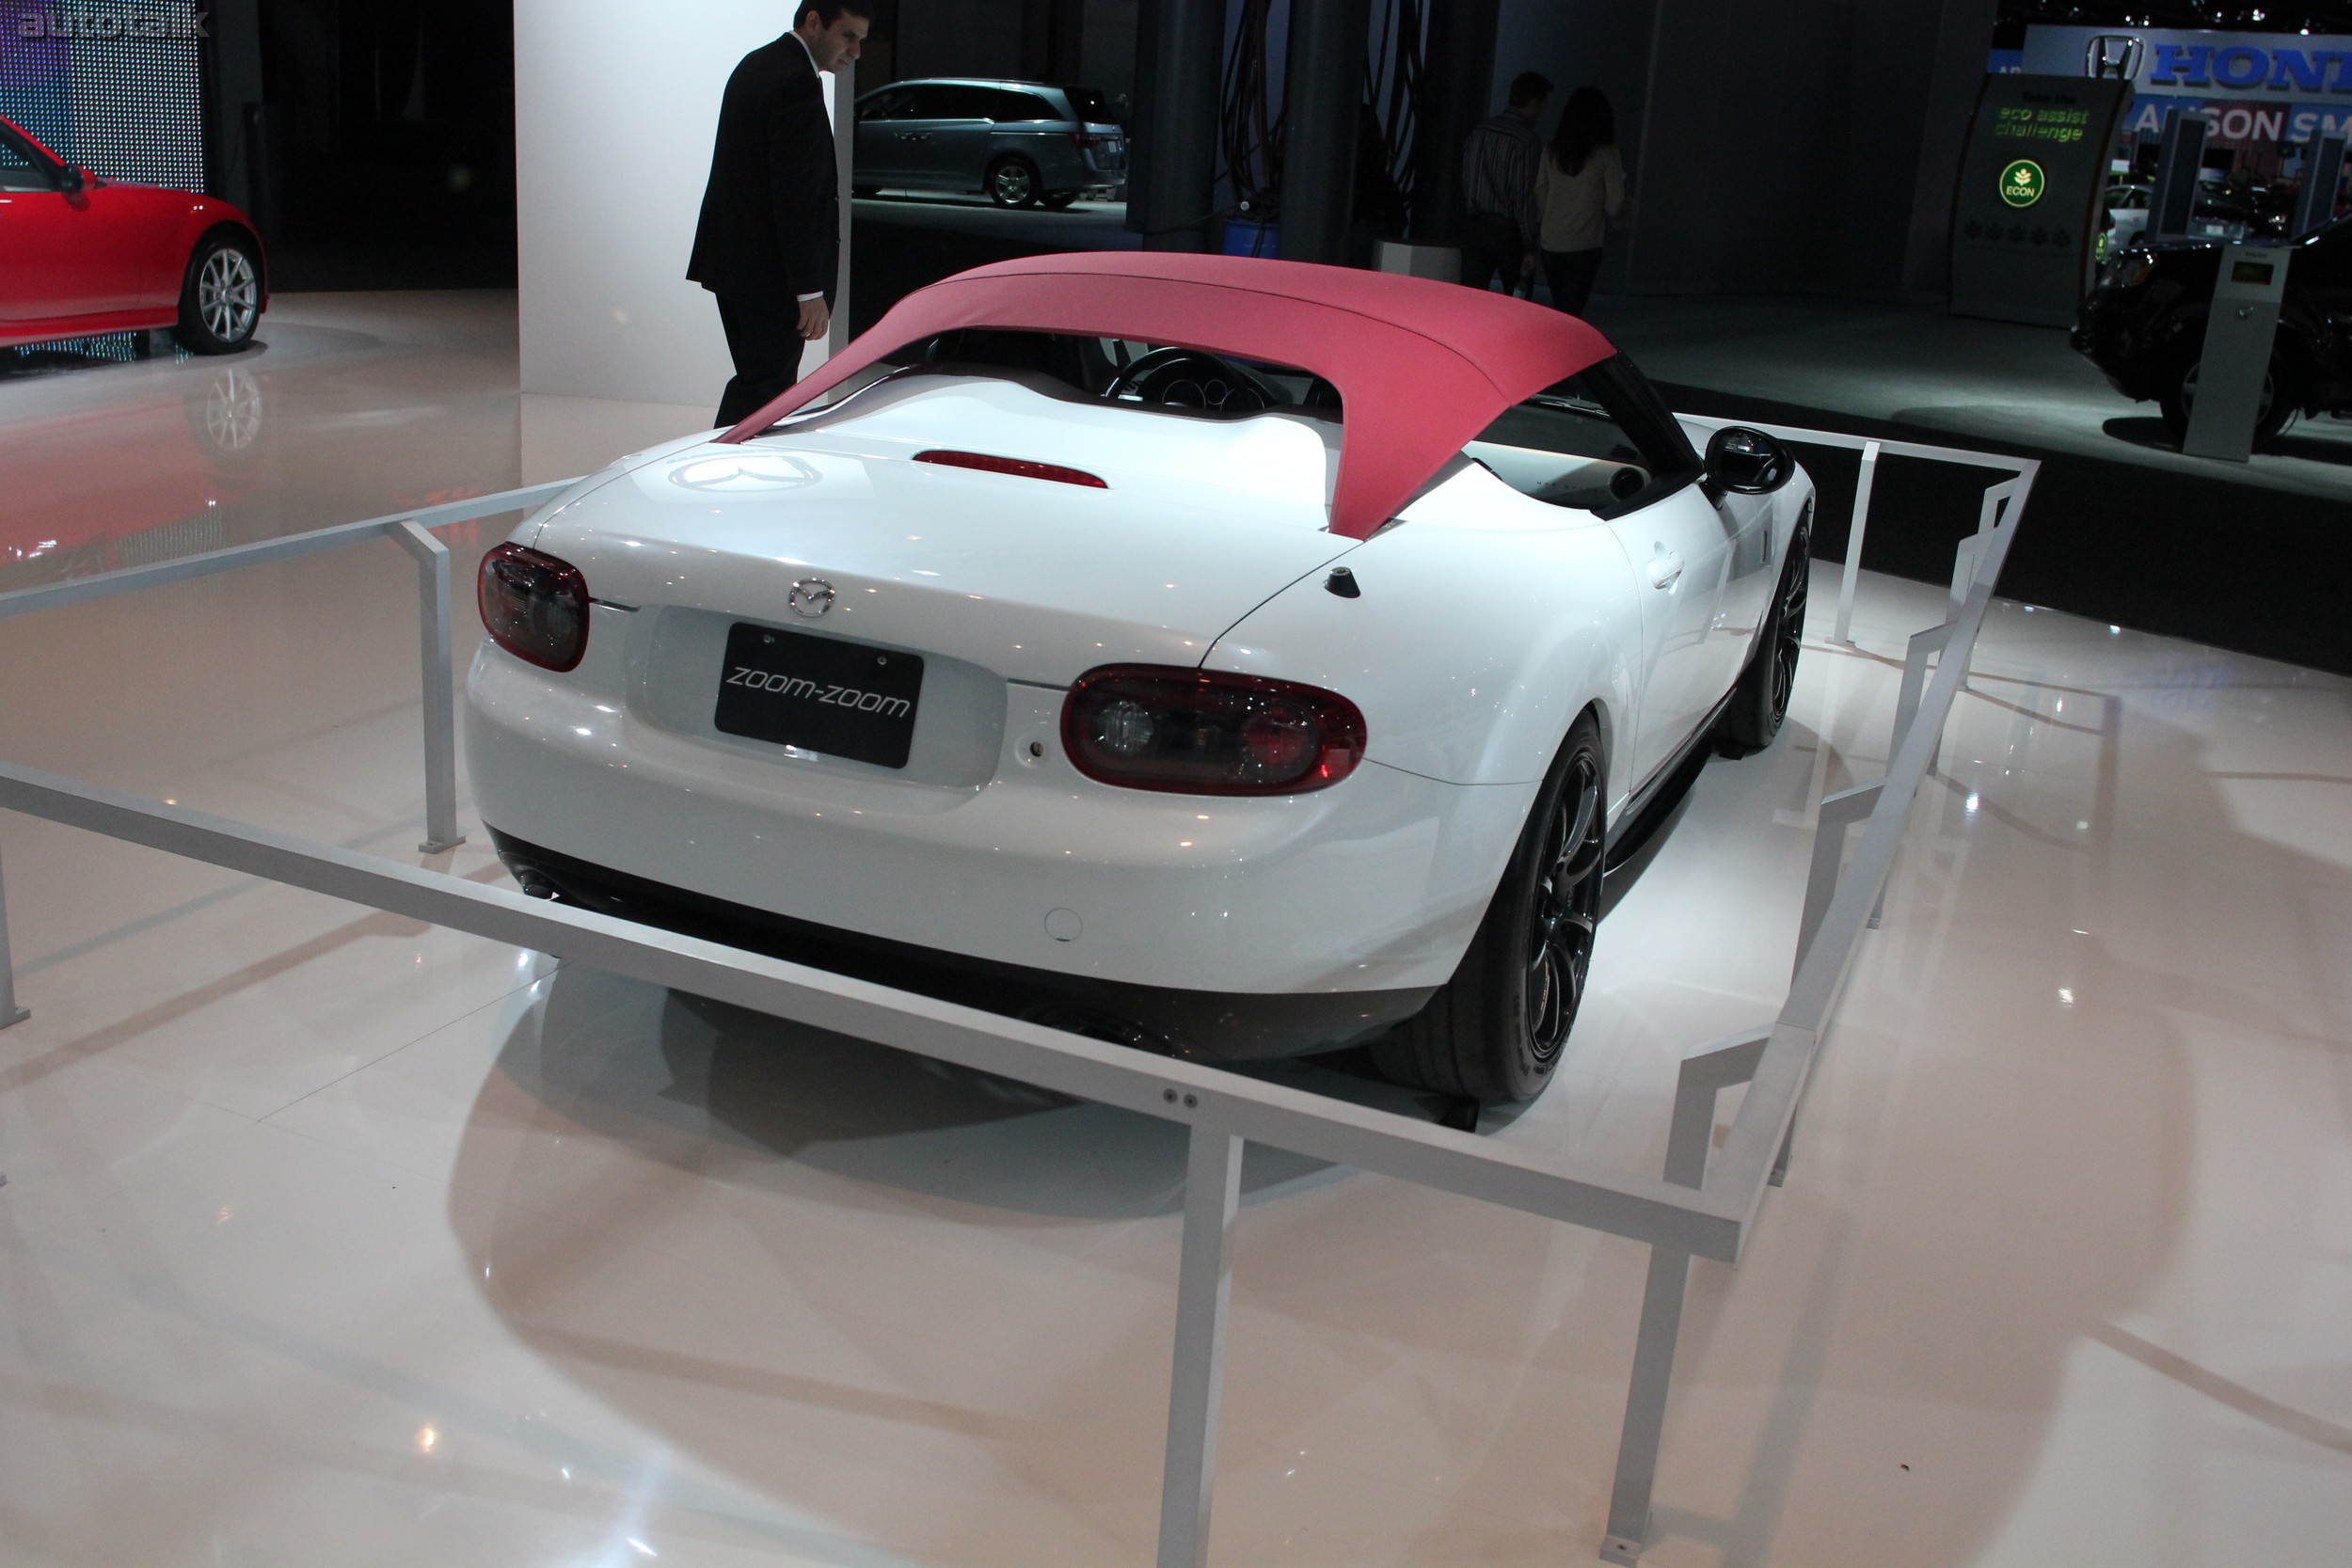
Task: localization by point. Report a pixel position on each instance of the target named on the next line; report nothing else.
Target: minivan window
(925, 101)
(1006, 105)
(956, 101)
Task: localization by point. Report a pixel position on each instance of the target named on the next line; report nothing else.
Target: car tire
(1012, 182)
(1759, 703)
(1496, 1029)
(2176, 395)
(1058, 200)
(220, 296)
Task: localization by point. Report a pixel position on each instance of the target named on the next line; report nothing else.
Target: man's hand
(1527, 267)
(815, 321)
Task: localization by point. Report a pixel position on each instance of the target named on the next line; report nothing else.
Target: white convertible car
(1232, 657)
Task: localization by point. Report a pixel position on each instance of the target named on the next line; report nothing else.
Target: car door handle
(1665, 570)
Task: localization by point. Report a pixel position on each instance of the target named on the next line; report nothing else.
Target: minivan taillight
(1203, 731)
(535, 607)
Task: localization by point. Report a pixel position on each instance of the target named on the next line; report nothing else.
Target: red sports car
(87, 256)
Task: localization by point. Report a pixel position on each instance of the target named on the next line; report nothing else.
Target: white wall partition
(616, 105)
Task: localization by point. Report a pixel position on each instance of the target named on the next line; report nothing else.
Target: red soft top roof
(1421, 367)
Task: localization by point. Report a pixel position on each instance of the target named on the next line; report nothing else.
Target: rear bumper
(1197, 1024)
(1374, 886)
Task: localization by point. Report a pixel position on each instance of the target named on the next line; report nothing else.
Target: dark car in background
(1024, 144)
(2144, 325)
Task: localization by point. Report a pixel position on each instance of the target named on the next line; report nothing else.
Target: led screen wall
(116, 88)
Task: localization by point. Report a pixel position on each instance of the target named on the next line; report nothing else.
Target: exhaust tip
(535, 883)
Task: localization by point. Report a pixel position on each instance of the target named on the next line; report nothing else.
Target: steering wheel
(1194, 378)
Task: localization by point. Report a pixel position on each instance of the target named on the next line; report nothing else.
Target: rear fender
(1469, 653)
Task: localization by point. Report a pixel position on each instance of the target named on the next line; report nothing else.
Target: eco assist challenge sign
(2026, 222)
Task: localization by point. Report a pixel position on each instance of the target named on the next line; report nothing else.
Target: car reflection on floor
(171, 463)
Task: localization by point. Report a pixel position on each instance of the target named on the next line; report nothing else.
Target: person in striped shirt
(1499, 162)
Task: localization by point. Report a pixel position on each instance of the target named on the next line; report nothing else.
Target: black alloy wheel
(1012, 182)
(1759, 703)
(1795, 587)
(1496, 1031)
(1566, 912)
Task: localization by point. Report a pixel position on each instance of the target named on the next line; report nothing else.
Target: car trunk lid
(1197, 522)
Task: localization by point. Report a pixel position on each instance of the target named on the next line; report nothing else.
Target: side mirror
(1747, 462)
(70, 180)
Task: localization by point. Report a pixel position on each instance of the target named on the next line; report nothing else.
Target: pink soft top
(1421, 367)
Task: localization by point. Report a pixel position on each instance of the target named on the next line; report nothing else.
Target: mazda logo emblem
(811, 597)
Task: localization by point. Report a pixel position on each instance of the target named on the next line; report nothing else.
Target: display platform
(329, 1236)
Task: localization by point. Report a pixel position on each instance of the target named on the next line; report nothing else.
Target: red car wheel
(220, 300)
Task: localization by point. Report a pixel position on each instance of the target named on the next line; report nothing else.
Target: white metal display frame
(1698, 1208)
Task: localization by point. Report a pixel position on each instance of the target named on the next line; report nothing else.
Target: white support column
(1205, 1288)
(439, 681)
(1854, 534)
(844, 157)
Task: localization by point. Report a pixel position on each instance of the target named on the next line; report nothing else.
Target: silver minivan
(1024, 143)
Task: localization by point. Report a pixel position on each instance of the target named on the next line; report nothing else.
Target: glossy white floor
(331, 1238)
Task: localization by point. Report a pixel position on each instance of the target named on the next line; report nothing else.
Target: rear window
(1126, 371)
(1092, 105)
(1149, 377)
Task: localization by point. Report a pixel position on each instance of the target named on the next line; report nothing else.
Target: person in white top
(1580, 186)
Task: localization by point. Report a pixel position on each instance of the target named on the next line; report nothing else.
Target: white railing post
(9, 1012)
(1838, 813)
(1204, 1295)
(1915, 682)
(1704, 1072)
(1971, 550)
(439, 681)
(1855, 533)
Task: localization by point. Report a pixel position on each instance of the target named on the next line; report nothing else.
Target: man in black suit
(768, 244)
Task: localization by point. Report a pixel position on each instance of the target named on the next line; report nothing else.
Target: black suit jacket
(771, 219)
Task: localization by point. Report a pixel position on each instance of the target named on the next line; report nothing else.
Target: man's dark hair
(829, 11)
(1526, 87)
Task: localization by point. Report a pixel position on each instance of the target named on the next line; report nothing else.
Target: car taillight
(535, 607)
(1088, 141)
(1203, 732)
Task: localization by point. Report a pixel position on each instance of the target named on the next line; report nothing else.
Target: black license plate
(820, 695)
